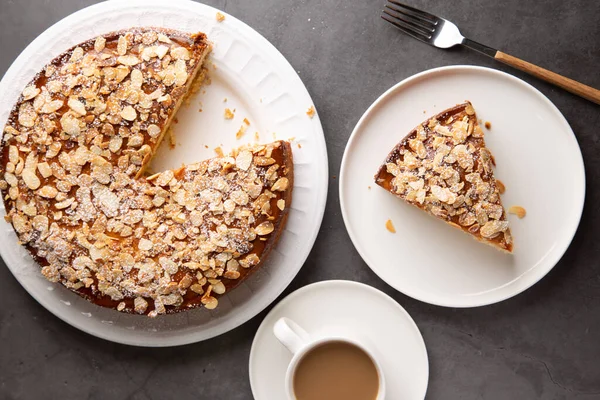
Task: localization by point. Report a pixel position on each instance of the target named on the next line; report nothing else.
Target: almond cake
(73, 156)
(444, 168)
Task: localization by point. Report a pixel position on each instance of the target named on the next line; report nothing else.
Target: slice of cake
(73, 156)
(444, 168)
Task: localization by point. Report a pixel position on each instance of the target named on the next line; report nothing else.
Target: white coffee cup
(299, 343)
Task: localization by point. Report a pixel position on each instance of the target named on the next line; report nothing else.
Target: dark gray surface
(544, 343)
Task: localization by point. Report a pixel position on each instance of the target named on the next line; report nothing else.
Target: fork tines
(416, 23)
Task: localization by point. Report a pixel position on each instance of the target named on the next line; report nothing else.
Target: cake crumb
(501, 187)
(206, 146)
(333, 177)
(225, 100)
(390, 226)
(240, 132)
(246, 121)
(311, 111)
(369, 187)
(219, 151)
(229, 114)
(274, 136)
(488, 125)
(299, 146)
(220, 17)
(518, 211)
(256, 136)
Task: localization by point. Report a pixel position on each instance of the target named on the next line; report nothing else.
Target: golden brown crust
(444, 168)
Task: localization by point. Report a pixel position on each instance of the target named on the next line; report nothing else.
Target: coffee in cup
(329, 368)
(336, 370)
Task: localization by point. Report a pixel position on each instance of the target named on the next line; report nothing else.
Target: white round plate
(325, 308)
(538, 159)
(263, 87)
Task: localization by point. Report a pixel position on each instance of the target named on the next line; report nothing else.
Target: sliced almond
(264, 228)
(243, 160)
(31, 179)
(280, 185)
(99, 44)
(49, 192)
(76, 106)
(129, 113)
(281, 204)
(30, 92)
(153, 130)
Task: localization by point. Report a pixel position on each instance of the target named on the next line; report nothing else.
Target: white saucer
(538, 159)
(321, 308)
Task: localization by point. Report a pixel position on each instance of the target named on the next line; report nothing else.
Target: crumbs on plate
(518, 211)
(241, 132)
(390, 226)
(229, 114)
(220, 17)
(311, 111)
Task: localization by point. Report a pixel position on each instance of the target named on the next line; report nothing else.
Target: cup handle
(290, 334)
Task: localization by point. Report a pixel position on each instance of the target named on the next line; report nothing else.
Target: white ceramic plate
(327, 308)
(262, 86)
(538, 160)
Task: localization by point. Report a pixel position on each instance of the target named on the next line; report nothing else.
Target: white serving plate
(263, 87)
(538, 159)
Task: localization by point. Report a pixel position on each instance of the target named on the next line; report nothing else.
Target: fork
(441, 33)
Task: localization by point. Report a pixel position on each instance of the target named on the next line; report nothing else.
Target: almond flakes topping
(75, 196)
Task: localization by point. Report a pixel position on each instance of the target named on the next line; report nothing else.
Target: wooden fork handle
(570, 85)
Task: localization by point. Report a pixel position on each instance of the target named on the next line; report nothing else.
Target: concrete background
(544, 343)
